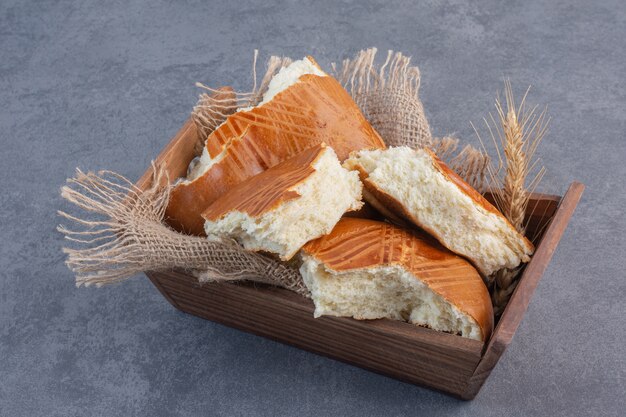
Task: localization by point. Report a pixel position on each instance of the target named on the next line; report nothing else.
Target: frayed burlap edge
(132, 238)
(470, 163)
(388, 96)
(215, 105)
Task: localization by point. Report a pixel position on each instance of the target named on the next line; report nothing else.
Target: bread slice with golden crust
(369, 270)
(288, 205)
(302, 108)
(415, 185)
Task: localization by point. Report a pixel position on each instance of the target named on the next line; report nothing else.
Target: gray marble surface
(101, 85)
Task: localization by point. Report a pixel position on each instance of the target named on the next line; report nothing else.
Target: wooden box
(441, 361)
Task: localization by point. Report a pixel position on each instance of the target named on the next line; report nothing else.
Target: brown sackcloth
(131, 237)
(388, 97)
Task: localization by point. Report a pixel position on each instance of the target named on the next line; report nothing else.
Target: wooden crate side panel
(400, 350)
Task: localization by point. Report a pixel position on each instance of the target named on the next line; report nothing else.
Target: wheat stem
(516, 132)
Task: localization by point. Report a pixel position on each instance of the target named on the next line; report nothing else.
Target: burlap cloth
(130, 237)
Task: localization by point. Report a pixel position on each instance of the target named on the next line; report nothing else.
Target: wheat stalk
(516, 132)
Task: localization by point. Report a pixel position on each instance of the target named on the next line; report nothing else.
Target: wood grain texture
(448, 363)
(413, 354)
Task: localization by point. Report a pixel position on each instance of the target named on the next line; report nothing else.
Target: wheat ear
(516, 131)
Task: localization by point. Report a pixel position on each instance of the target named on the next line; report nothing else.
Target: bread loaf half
(415, 185)
(302, 107)
(369, 270)
(284, 207)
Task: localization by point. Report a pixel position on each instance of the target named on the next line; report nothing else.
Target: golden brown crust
(267, 190)
(314, 110)
(360, 243)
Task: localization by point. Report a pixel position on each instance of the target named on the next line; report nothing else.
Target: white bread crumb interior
(383, 292)
(325, 196)
(441, 208)
(285, 78)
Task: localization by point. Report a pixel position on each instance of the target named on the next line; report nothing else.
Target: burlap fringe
(388, 96)
(214, 106)
(470, 163)
(132, 238)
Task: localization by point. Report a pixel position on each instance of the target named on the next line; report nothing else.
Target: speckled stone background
(101, 85)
